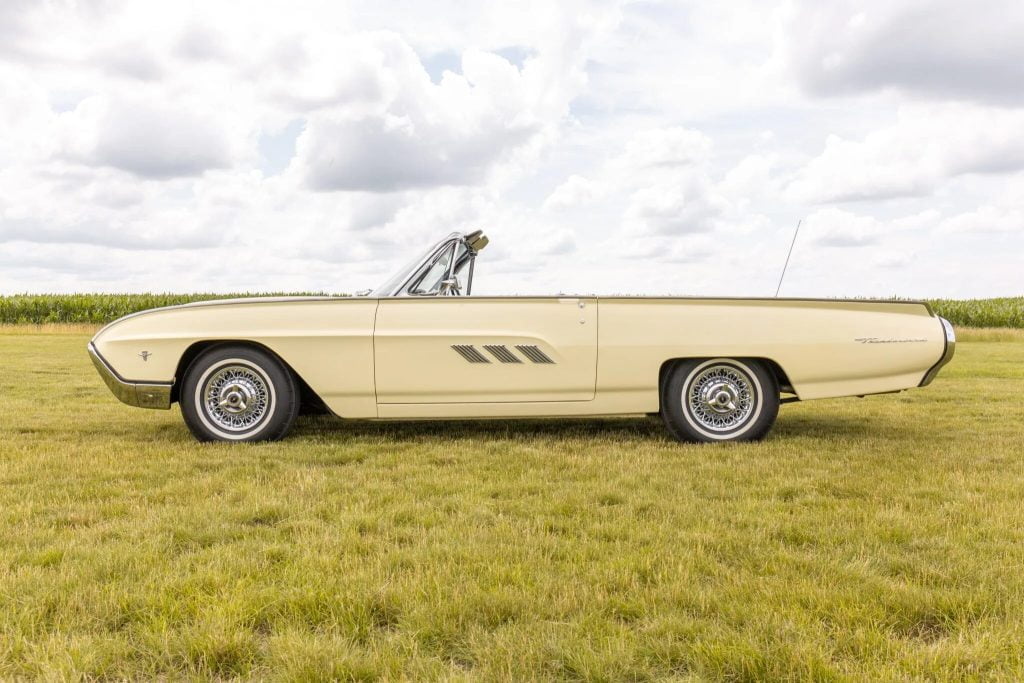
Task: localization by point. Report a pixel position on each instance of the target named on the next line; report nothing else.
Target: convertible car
(421, 346)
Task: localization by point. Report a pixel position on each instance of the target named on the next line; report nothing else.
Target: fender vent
(469, 352)
(534, 353)
(501, 352)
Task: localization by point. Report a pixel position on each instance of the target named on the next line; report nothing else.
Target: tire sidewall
(685, 427)
(280, 385)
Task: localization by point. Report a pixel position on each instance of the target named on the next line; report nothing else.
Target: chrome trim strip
(949, 338)
(469, 352)
(138, 394)
(501, 352)
(534, 353)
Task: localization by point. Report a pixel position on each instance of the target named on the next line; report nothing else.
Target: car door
(485, 349)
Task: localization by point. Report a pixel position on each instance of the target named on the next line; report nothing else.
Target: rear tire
(719, 399)
(238, 393)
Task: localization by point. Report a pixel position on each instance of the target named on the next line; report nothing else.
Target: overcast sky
(606, 147)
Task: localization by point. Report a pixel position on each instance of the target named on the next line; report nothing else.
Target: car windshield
(400, 276)
(430, 281)
(426, 274)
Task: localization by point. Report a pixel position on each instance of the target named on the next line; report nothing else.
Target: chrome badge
(144, 355)
(876, 340)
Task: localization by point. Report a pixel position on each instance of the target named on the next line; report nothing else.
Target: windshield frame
(401, 282)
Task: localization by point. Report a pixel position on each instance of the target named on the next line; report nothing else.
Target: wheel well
(785, 386)
(311, 403)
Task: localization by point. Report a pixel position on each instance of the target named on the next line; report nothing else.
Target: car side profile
(421, 346)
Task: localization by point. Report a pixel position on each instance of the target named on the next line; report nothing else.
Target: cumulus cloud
(932, 48)
(151, 139)
(675, 191)
(925, 146)
(401, 130)
(575, 191)
(665, 147)
(131, 60)
(600, 143)
(985, 219)
(685, 203)
(834, 227)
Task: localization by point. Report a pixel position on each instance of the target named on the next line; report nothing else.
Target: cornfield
(102, 308)
(1005, 312)
(36, 309)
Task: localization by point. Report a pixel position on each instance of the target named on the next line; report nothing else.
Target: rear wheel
(238, 393)
(719, 399)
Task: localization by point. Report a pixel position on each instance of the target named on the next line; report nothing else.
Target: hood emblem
(145, 355)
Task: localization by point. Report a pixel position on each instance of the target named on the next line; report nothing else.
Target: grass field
(865, 539)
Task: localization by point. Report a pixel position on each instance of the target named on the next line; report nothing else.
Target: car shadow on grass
(614, 429)
(618, 429)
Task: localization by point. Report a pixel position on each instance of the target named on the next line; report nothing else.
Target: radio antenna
(791, 244)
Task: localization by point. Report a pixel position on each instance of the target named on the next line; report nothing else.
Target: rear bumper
(139, 394)
(947, 353)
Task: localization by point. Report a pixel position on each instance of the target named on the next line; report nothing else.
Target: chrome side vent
(469, 352)
(501, 352)
(534, 353)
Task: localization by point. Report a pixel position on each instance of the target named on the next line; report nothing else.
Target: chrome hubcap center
(721, 398)
(236, 397)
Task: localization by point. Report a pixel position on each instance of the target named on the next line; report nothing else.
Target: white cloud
(927, 145)
(575, 191)
(604, 145)
(985, 219)
(151, 139)
(404, 131)
(936, 48)
(837, 228)
(682, 203)
(665, 147)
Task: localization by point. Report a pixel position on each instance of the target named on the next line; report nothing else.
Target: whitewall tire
(719, 399)
(233, 392)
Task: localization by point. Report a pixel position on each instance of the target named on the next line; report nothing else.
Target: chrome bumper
(138, 394)
(947, 353)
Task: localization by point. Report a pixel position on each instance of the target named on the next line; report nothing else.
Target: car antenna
(791, 244)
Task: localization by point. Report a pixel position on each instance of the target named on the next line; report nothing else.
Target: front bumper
(138, 394)
(947, 353)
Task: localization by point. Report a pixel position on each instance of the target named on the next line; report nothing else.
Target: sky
(605, 147)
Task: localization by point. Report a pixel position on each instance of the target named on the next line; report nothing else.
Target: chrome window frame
(415, 273)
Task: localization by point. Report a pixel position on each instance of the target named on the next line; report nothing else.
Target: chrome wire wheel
(720, 397)
(708, 400)
(235, 398)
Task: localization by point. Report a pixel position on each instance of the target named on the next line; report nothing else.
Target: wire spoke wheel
(708, 400)
(720, 397)
(236, 397)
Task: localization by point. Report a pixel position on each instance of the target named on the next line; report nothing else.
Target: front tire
(238, 393)
(719, 399)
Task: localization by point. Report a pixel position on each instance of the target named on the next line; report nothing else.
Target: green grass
(870, 539)
(102, 308)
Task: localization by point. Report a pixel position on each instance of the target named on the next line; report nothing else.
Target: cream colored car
(421, 347)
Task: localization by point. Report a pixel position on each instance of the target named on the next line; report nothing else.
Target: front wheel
(719, 399)
(238, 393)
